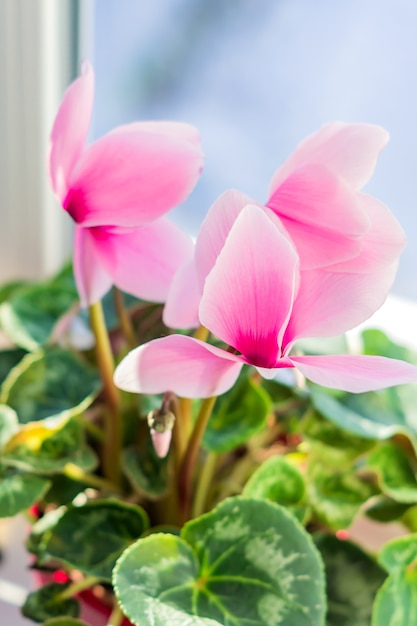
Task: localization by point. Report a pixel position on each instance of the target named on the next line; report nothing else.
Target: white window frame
(41, 44)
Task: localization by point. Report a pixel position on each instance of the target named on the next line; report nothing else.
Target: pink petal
(248, 294)
(186, 366)
(349, 150)
(184, 295)
(143, 261)
(318, 247)
(91, 277)
(381, 245)
(181, 130)
(215, 229)
(354, 373)
(70, 130)
(313, 195)
(131, 178)
(329, 304)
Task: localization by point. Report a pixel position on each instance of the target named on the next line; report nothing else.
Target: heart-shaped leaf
(353, 579)
(395, 472)
(147, 473)
(47, 602)
(91, 537)
(396, 601)
(53, 382)
(20, 491)
(383, 509)
(336, 496)
(246, 563)
(280, 481)
(48, 447)
(31, 314)
(329, 441)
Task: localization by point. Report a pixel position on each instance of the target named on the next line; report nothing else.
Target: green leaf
(46, 603)
(31, 314)
(396, 601)
(91, 537)
(336, 495)
(19, 492)
(353, 579)
(35, 543)
(64, 621)
(8, 360)
(47, 449)
(9, 424)
(53, 382)
(280, 481)
(63, 490)
(147, 473)
(374, 415)
(9, 289)
(278, 392)
(383, 509)
(395, 471)
(237, 415)
(375, 343)
(329, 441)
(246, 563)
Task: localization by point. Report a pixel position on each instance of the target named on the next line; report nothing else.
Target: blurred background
(256, 77)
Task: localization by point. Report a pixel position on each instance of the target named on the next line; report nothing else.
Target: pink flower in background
(251, 302)
(116, 191)
(315, 195)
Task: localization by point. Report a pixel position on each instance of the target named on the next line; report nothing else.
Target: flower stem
(80, 585)
(200, 333)
(76, 473)
(190, 457)
(204, 484)
(124, 319)
(113, 427)
(116, 616)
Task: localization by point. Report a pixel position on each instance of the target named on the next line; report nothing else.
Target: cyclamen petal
(92, 279)
(183, 299)
(331, 303)
(319, 248)
(70, 129)
(349, 150)
(125, 180)
(316, 194)
(132, 178)
(215, 229)
(143, 261)
(355, 373)
(381, 245)
(313, 195)
(248, 295)
(181, 130)
(186, 366)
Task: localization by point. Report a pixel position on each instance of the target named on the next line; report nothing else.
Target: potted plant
(185, 452)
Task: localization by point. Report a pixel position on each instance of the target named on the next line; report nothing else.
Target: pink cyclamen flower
(116, 191)
(316, 195)
(250, 302)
